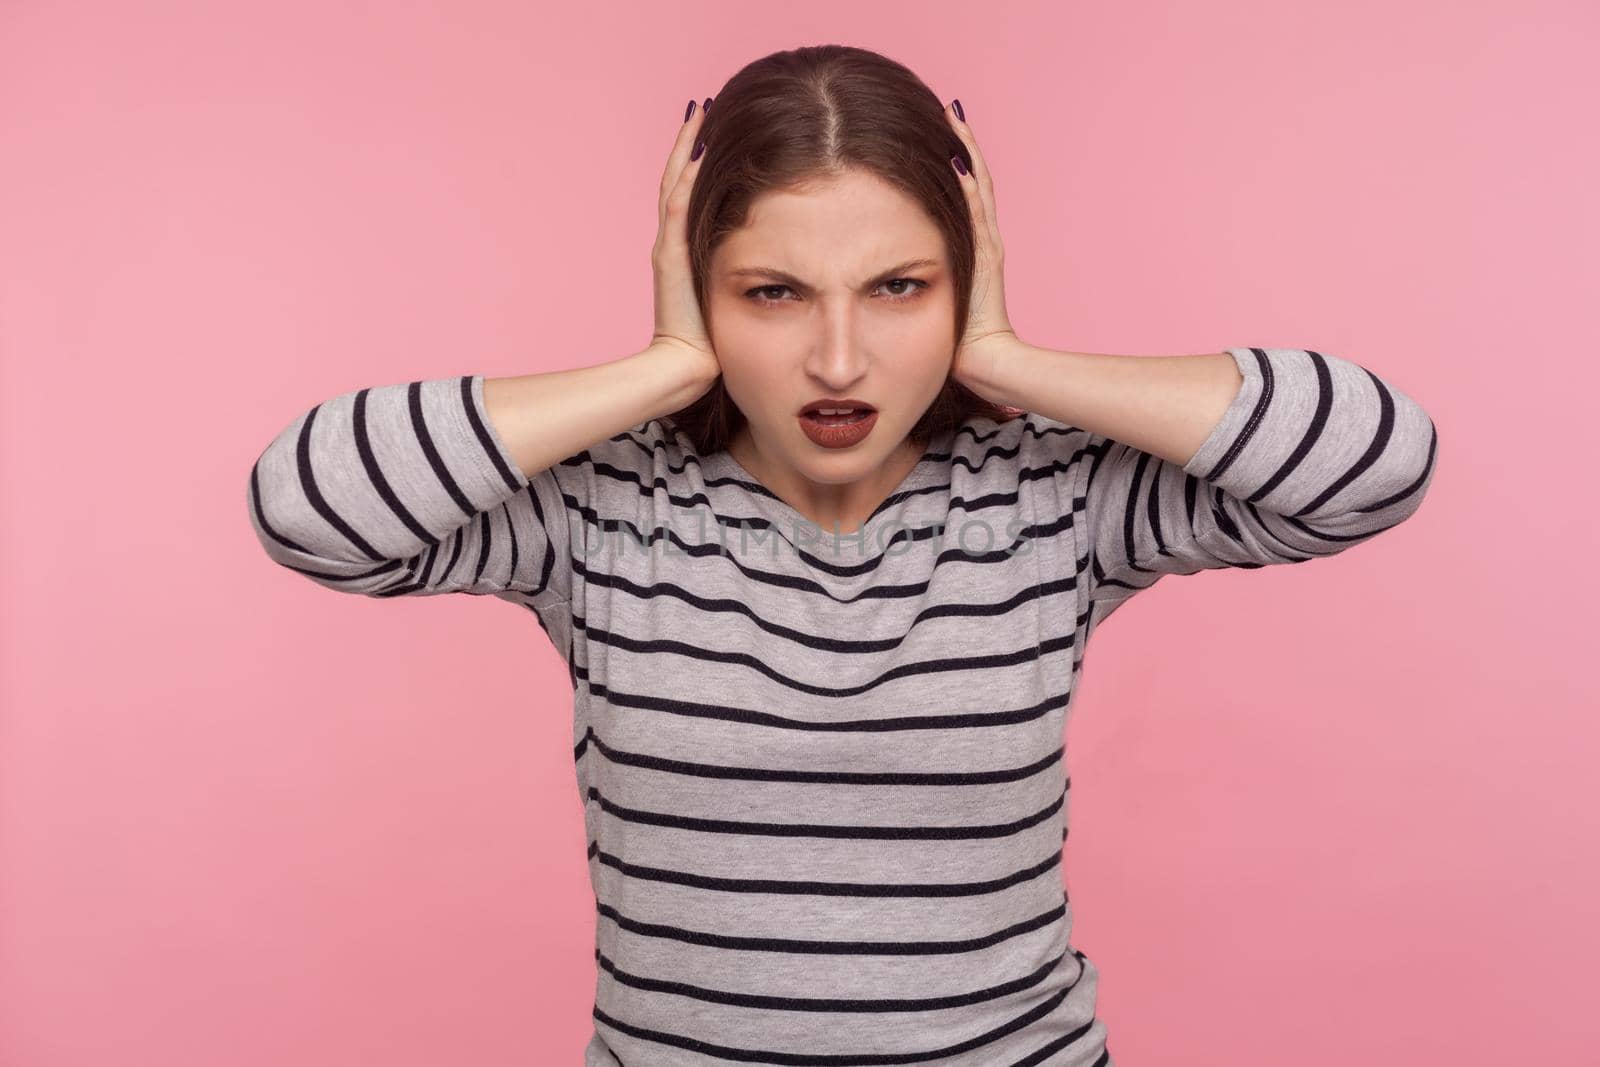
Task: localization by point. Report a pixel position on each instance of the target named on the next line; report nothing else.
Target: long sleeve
(1314, 455)
(407, 490)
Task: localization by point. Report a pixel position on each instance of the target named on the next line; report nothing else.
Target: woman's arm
(1164, 405)
(543, 418)
(447, 485)
(1180, 463)
(1245, 458)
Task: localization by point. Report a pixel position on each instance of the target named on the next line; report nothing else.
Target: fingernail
(688, 112)
(707, 104)
(962, 115)
(699, 146)
(962, 167)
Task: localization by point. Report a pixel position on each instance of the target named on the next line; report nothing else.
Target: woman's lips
(833, 431)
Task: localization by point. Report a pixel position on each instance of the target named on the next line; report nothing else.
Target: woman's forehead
(851, 249)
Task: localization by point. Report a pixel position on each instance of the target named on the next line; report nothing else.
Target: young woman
(823, 558)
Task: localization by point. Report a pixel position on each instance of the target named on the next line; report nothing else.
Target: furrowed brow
(789, 279)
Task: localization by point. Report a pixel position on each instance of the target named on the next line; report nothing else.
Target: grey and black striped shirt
(823, 779)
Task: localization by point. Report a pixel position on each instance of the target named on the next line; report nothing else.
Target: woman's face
(841, 291)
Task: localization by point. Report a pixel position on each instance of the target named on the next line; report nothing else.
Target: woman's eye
(759, 294)
(906, 281)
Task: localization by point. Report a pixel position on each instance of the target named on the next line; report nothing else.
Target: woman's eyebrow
(791, 280)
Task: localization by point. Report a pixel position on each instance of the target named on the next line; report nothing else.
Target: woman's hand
(988, 333)
(680, 328)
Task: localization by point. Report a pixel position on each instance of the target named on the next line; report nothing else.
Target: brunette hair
(815, 112)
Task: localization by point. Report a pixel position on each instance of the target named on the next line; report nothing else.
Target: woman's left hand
(988, 333)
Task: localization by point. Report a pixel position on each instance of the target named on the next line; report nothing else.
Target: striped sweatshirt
(823, 777)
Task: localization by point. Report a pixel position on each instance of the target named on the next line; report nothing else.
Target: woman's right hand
(679, 325)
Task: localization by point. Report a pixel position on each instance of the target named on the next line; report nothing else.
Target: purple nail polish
(707, 104)
(699, 146)
(688, 112)
(960, 166)
(962, 115)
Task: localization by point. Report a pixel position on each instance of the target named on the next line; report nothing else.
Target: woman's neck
(847, 504)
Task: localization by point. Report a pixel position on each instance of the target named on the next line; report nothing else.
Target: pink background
(1332, 814)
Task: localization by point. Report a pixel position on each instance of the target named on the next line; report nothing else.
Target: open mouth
(838, 422)
(837, 411)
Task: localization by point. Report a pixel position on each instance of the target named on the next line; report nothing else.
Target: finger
(974, 196)
(980, 169)
(984, 235)
(980, 172)
(678, 159)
